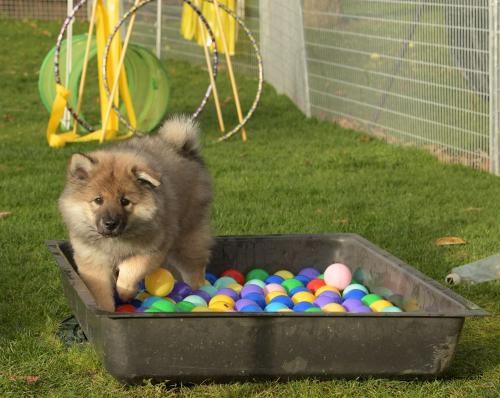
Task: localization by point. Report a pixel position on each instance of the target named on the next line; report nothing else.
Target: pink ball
(338, 275)
(273, 287)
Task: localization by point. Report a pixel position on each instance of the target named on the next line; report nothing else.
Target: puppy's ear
(80, 165)
(146, 176)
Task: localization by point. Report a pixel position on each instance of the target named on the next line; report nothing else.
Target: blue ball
(251, 308)
(258, 298)
(354, 294)
(274, 279)
(210, 277)
(301, 307)
(298, 289)
(142, 285)
(274, 307)
(150, 300)
(283, 300)
(136, 303)
(304, 279)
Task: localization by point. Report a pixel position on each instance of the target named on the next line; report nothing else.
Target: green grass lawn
(295, 175)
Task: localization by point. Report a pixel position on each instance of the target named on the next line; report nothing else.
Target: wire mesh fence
(36, 9)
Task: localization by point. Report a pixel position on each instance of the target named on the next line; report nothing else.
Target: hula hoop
(205, 99)
(111, 36)
(82, 122)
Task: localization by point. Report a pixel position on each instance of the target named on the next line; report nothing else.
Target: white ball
(338, 275)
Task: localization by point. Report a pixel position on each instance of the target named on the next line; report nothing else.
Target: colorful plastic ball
(142, 296)
(125, 308)
(302, 306)
(361, 309)
(298, 289)
(304, 279)
(326, 288)
(313, 309)
(204, 309)
(274, 307)
(151, 309)
(181, 289)
(136, 303)
(221, 298)
(273, 295)
(303, 296)
(370, 298)
(332, 295)
(184, 306)
(210, 277)
(356, 294)
(148, 302)
(283, 300)
(355, 286)
(141, 309)
(243, 303)
(236, 287)
(273, 287)
(196, 300)
(257, 282)
(229, 292)
(257, 273)
(391, 309)
(315, 284)
(175, 297)
(333, 307)
(223, 281)
(323, 300)
(159, 282)
(235, 274)
(141, 286)
(378, 305)
(352, 303)
(321, 276)
(285, 274)
(247, 289)
(163, 306)
(220, 306)
(309, 272)
(204, 295)
(338, 275)
(209, 289)
(258, 298)
(274, 279)
(251, 308)
(291, 283)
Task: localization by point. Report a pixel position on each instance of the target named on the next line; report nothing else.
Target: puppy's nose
(110, 224)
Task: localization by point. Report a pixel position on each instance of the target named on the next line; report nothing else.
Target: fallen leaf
(365, 138)
(5, 214)
(449, 241)
(27, 379)
(45, 32)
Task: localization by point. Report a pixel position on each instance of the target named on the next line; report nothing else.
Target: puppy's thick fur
(133, 207)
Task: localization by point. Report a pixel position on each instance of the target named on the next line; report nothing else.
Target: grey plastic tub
(196, 347)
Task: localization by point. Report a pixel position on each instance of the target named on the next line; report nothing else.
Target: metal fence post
(494, 88)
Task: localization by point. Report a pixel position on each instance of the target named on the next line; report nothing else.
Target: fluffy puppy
(134, 206)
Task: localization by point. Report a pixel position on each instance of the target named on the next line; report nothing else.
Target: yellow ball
(284, 274)
(285, 310)
(223, 299)
(235, 286)
(378, 305)
(220, 306)
(142, 296)
(326, 288)
(272, 295)
(204, 309)
(333, 307)
(160, 282)
(303, 296)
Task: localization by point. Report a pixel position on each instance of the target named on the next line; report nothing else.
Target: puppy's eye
(99, 200)
(124, 202)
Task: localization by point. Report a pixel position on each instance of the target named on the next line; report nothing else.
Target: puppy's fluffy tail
(181, 132)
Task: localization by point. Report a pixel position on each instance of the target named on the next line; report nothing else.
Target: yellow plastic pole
(230, 69)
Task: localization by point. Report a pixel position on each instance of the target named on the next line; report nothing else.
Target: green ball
(163, 306)
(322, 277)
(257, 273)
(185, 306)
(370, 298)
(313, 309)
(290, 284)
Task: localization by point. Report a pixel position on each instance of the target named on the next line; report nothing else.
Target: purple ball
(323, 300)
(181, 288)
(351, 304)
(249, 289)
(334, 296)
(176, 297)
(309, 272)
(361, 308)
(226, 291)
(241, 303)
(204, 295)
